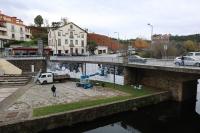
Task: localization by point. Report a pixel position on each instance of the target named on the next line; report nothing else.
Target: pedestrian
(182, 60)
(53, 89)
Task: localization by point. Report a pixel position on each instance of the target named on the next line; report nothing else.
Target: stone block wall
(182, 86)
(25, 65)
(82, 115)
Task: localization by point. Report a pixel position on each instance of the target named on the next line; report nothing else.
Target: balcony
(71, 36)
(4, 36)
(3, 28)
(71, 45)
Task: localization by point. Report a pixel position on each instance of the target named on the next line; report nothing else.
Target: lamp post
(117, 39)
(165, 49)
(151, 36)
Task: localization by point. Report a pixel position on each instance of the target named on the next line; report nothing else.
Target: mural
(75, 70)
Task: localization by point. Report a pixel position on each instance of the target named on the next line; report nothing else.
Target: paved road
(106, 59)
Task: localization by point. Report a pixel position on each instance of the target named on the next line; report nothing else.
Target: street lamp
(151, 36)
(117, 38)
(151, 30)
(165, 49)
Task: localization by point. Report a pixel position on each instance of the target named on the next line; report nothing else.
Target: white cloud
(128, 17)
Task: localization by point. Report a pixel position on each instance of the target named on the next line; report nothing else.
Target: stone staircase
(14, 80)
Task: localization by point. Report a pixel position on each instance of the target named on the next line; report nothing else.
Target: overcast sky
(127, 17)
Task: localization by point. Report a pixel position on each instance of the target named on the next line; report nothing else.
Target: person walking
(53, 89)
(182, 60)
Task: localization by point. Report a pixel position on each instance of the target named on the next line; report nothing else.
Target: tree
(140, 43)
(38, 20)
(56, 25)
(190, 46)
(91, 47)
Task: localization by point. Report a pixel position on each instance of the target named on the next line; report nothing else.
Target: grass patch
(88, 103)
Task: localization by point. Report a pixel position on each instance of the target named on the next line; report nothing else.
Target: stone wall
(82, 115)
(183, 86)
(25, 65)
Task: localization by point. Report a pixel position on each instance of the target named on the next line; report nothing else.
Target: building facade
(12, 28)
(69, 39)
(101, 50)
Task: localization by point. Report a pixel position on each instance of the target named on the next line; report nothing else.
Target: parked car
(188, 61)
(136, 58)
(194, 54)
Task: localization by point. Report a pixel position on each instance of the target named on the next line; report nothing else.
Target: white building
(69, 39)
(12, 28)
(101, 50)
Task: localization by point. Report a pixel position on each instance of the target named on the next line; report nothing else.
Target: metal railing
(88, 59)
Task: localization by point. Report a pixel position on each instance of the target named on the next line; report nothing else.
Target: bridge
(159, 74)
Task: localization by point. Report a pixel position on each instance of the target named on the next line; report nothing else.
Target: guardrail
(24, 58)
(89, 59)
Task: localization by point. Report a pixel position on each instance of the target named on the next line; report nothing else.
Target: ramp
(8, 68)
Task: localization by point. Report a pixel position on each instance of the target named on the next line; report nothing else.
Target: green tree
(55, 25)
(38, 20)
(91, 47)
(190, 46)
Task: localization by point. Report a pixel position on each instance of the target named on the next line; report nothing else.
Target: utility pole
(151, 37)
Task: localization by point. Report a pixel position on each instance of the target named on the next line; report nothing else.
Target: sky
(124, 18)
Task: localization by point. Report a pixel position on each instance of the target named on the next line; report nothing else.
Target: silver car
(188, 61)
(136, 58)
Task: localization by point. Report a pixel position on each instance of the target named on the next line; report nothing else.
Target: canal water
(168, 117)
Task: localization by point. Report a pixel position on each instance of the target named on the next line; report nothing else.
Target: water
(168, 117)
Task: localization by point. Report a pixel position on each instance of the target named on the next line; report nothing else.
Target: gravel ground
(41, 95)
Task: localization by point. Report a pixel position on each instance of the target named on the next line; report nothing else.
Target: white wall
(101, 48)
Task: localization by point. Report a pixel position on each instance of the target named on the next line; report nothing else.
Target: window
(59, 42)
(59, 52)
(12, 28)
(190, 54)
(27, 36)
(71, 26)
(49, 76)
(71, 35)
(82, 43)
(13, 36)
(76, 51)
(21, 30)
(66, 51)
(82, 51)
(76, 42)
(71, 50)
(197, 54)
(59, 34)
(71, 42)
(43, 76)
(82, 35)
(66, 41)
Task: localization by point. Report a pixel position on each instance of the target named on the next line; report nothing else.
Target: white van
(194, 54)
(45, 78)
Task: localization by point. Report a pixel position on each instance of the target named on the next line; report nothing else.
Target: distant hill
(194, 37)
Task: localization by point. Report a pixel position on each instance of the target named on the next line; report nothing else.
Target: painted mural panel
(75, 70)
